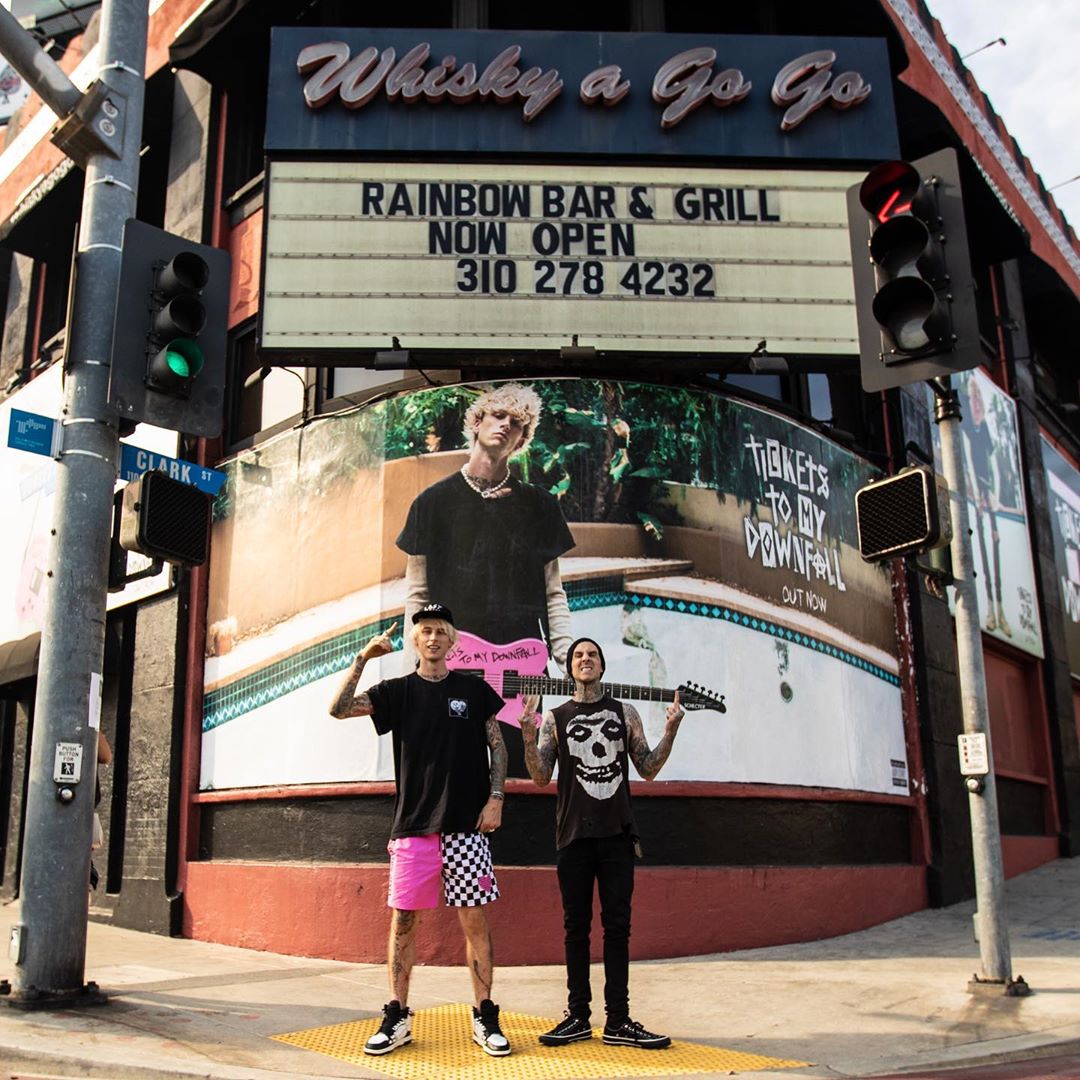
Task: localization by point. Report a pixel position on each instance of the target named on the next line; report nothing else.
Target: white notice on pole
(974, 760)
(95, 701)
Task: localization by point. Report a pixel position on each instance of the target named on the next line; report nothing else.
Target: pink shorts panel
(415, 873)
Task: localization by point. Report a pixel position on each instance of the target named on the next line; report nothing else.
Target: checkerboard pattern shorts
(467, 873)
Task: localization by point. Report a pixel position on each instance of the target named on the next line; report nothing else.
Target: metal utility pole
(991, 924)
(101, 131)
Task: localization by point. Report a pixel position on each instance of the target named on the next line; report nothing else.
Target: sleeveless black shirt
(594, 771)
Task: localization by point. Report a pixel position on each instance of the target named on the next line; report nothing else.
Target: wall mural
(700, 540)
(1063, 491)
(1001, 542)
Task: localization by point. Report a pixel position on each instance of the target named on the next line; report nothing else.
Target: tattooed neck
(587, 692)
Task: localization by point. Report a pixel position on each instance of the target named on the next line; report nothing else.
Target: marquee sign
(499, 256)
(532, 92)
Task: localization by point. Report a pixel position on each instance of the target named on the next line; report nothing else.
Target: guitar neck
(541, 684)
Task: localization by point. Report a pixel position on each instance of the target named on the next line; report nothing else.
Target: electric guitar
(520, 667)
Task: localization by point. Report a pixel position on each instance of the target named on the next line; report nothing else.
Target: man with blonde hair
(487, 544)
(449, 799)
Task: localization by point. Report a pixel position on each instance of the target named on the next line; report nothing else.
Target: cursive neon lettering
(804, 86)
(686, 82)
(605, 84)
(357, 81)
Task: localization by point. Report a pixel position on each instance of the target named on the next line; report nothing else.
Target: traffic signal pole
(991, 925)
(102, 132)
(917, 320)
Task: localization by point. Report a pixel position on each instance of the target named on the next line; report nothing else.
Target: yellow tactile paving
(442, 1047)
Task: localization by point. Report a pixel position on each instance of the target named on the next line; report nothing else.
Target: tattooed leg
(478, 950)
(401, 953)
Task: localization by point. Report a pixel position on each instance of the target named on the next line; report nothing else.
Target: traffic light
(166, 519)
(914, 291)
(903, 514)
(168, 353)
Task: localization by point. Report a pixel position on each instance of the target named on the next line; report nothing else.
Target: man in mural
(981, 446)
(592, 737)
(449, 798)
(488, 545)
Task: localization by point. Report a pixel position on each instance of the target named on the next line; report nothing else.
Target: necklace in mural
(433, 678)
(496, 491)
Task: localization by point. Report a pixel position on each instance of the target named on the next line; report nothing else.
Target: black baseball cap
(433, 611)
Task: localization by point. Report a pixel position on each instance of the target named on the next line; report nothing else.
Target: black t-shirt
(486, 557)
(440, 750)
(593, 797)
(982, 455)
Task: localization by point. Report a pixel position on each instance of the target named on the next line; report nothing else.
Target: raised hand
(379, 645)
(674, 710)
(529, 719)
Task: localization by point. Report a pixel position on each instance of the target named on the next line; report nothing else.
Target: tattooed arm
(649, 762)
(348, 702)
(491, 815)
(540, 754)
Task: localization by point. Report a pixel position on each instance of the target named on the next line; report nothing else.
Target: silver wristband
(497, 795)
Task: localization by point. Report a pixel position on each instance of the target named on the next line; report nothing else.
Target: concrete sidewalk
(888, 999)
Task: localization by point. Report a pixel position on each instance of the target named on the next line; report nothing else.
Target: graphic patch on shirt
(459, 707)
(595, 743)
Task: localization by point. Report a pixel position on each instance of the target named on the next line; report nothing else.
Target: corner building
(639, 212)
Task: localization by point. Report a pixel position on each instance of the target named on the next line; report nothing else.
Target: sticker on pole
(974, 759)
(67, 765)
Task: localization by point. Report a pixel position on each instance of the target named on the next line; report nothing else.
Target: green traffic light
(184, 358)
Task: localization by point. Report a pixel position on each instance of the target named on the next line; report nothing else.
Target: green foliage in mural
(606, 450)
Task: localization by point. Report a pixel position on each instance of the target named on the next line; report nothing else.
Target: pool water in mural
(700, 540)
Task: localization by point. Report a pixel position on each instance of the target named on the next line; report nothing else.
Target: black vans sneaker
(631, 1033)
(569, 1029)
(486, 1030)
(394, 1031)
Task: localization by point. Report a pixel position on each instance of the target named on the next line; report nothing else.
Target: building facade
(634, 219)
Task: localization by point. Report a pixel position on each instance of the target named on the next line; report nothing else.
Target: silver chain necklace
(433, 678)
(485, 492)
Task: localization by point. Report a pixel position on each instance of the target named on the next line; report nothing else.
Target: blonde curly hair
(414, 634)
(521, 402)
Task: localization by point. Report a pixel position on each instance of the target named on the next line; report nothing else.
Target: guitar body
(473, 654)
(519, 668)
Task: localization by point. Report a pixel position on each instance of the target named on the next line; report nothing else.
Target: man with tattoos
(593, 737)
(449, 798)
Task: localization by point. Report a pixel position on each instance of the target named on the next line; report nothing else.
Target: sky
(1031, 80)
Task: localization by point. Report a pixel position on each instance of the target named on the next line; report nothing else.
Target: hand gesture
(529, 720)
(379, 645)
(675, 711)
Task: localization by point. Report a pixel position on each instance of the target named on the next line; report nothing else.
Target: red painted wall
(339, 911)
(1020, 854)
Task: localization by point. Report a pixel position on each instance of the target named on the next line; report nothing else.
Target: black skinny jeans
(610, 863)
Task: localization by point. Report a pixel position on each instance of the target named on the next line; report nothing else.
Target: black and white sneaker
(631, 1033)
(486, 1030)
(394, 1031)
(569, 1029)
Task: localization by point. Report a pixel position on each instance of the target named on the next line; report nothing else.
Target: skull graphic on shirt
(595, 743)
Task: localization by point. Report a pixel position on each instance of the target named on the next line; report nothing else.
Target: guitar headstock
(692, 696)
